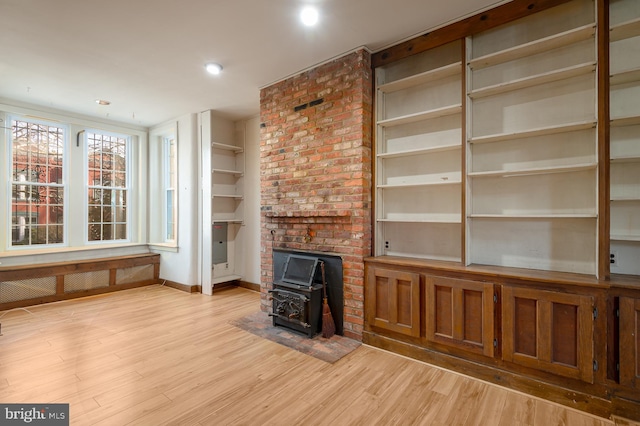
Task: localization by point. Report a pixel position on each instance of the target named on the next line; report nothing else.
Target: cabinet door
(548, 331)
(393, 301)
(630, 342)
(460, 313)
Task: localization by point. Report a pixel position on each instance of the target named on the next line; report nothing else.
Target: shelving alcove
(507, 212)
(222, 167)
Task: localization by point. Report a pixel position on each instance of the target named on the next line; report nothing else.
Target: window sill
(169, 247)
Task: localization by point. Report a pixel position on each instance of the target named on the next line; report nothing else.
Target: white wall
(252, 201)
(180, 264)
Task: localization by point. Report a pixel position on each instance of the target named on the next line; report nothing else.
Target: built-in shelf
(629, 159)
(422, 78)
(214, 221)
(226, 147)
(624, 77)
(414, 185)
(420, 116)
(535, 80)
(423, 256)
(618, 237)
(433, 218)
(427, 150)
(227, 172)
(625, 30)
(542, 131)
(532, 48)
(535, 216)
(226, 278)
(234, 196)
(535, 170)
(624, 199)
(625, 121)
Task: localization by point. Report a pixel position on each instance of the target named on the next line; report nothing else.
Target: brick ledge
(309, 213)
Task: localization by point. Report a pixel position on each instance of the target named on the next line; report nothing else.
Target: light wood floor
(155, 355)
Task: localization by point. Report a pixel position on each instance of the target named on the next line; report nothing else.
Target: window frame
(170, 184)
(10, 117)
(88, 186)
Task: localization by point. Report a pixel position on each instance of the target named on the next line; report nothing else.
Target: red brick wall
(315, 165)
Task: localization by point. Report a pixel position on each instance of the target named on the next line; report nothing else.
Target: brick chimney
(315, 168)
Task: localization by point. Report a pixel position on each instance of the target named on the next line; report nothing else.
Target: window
(37, 183)
(108, 188)
(170, 165)
(163, 186)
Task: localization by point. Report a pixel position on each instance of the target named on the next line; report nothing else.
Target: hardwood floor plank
(158, 356)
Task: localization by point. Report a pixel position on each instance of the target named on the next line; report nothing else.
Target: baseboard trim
(183, 287)
(249, 286)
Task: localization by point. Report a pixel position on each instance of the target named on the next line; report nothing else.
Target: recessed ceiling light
(213, 68)
(309, 16)
(102, 102)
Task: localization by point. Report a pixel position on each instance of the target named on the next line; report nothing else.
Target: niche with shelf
(223, 215)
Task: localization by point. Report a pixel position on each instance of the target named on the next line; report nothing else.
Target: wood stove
(296, 296)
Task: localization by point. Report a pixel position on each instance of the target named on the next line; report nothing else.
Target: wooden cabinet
(460, 313)
(393, 301)
(630, 342)
(549, 331)
(625, 136)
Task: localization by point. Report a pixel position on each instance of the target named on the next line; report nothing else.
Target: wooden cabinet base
(552, 335)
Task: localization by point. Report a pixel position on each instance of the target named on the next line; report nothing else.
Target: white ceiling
(147, 57)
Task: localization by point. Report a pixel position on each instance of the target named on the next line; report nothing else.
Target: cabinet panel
(460, 313)
(548, 331)
(630, 342)
(393, 301)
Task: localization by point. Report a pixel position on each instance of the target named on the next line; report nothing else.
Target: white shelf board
(420, 116)
(234, 196)
(616, 237)
(411, 152)
(534, 80)
(625, 30)
(627, 76)
(227, 172)
(625, 121)
(422, 256)
(214, 221)
(226, 278)
(425, 77)
(542, 131)
(226, 147)
(629, 159)
(534, 47)
(624, 199)
(443, 218)
(414, 185)
(535, 171)
(534, 216)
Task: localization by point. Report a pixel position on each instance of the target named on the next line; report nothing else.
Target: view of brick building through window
(37, 187)
(108, 190)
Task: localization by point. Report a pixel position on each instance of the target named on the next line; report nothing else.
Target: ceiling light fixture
(213, 68)
(102, 102)
(309, 16)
